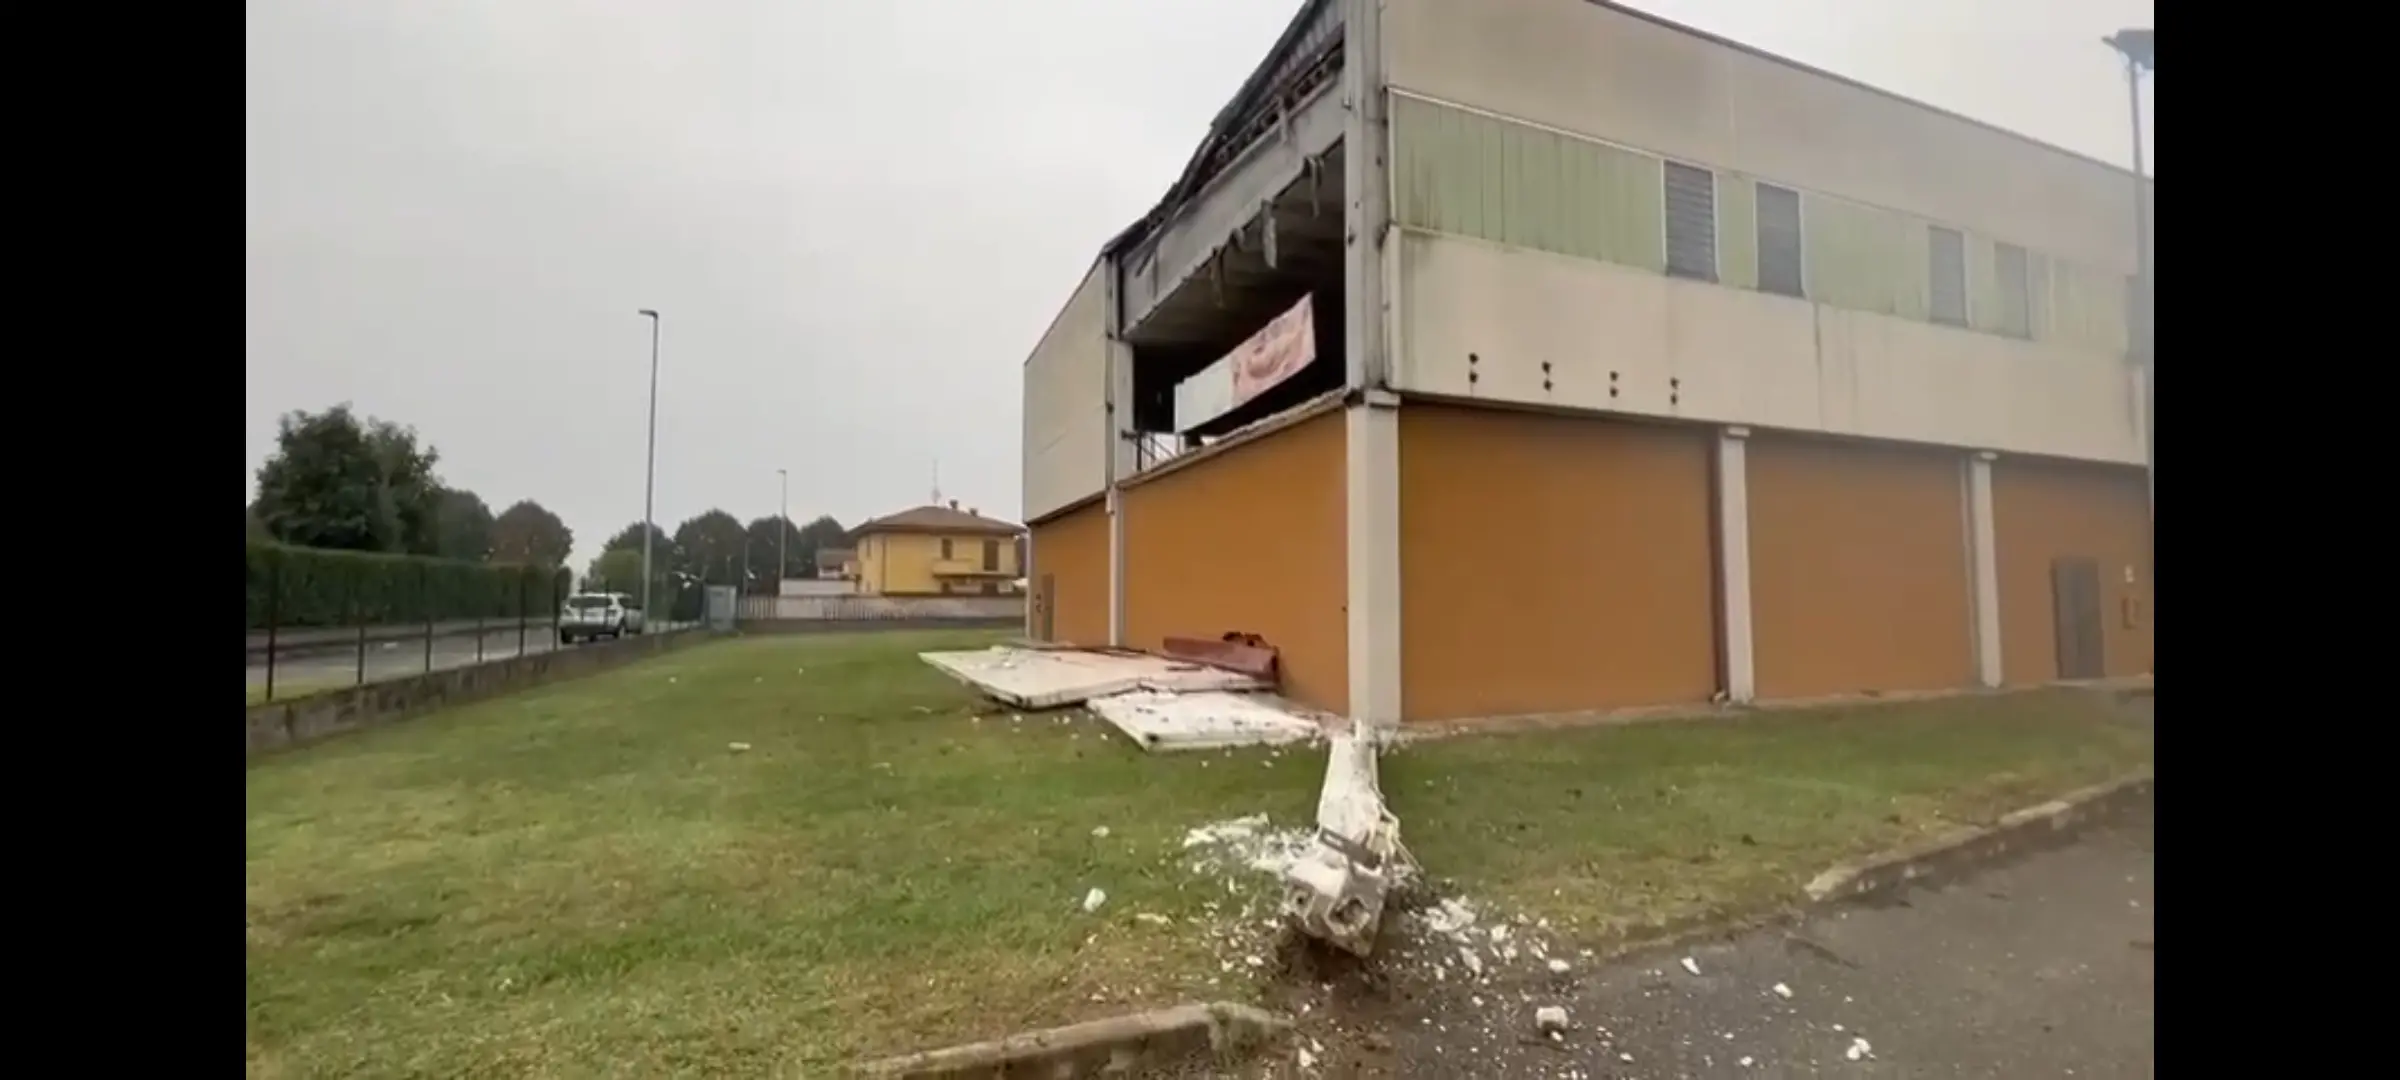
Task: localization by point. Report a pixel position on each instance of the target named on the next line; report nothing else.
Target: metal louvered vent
(1949, 275)
(1691, 222)
(1779, 250)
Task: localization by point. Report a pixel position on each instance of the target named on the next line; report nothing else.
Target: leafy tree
(767, 536)
(824, 532)
(709, 547)
(253, 530)
(527, 533)
(462, 526)
(337, 482)
(616, 570)
(629, 538)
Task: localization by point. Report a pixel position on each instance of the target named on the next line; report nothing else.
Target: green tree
(629, 538)
(337, 482)
(462, 526)
(253, 530)
(824, 532)
(527, 533)
(616, 570)
(709, 548)
(768, 536)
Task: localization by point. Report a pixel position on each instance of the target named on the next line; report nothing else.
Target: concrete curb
(1964, 848)
(1117, 1046)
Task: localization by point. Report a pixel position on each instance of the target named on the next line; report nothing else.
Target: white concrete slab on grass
(1052, 678)
(1204, 720)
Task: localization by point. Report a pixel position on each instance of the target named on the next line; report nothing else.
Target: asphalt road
(317, 669)
(2043, 966)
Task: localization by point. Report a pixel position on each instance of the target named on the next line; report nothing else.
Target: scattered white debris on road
(1093, 899)
(1859, 1049)
(1783, 991)
(1550, 1019)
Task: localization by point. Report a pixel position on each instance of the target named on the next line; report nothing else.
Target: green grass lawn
(585, 880)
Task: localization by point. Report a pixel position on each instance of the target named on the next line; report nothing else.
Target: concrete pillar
(1366, 187)
(1733, 563)
(1116, 373)
(1983, 564)
(1372, 420)
(1371, 470)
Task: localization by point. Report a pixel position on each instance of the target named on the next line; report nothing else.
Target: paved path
(2040, 967)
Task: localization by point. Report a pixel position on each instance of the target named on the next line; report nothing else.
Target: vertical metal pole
(479, 635)
(2145, 341)
(274, 616)
(425, 600)
(650, 467)
(523, 616)
(556, 601)
(361, 621)
(783, 527)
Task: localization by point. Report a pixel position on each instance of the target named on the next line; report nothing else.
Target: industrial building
(1528, 356)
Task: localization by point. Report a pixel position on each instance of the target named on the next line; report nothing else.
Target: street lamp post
(783, 527)
(2140, 49)
(650, 465)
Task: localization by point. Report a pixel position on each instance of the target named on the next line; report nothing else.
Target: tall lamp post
(650, 464)
(2139, 48)
(783, 527)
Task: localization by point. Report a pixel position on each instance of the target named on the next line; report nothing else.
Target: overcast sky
(857, 217)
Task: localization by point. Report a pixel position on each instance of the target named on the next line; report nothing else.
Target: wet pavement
(2041, 966)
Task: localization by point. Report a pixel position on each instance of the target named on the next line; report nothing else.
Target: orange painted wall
(1858, 568)
(2044, 510)
(1251, 538)
(1073, 549)
(1551, 564)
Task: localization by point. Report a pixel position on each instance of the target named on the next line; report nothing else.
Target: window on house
(1949, 275)
(991, 555)
(1691, 222)
(2016, 292)
(1779, 245)
(945, 547)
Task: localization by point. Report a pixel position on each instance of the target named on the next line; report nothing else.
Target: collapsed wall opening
(1256, 331)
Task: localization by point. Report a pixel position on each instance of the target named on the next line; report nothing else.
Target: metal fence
(286, 661)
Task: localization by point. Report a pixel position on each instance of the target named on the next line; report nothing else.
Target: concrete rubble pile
(1335, 891)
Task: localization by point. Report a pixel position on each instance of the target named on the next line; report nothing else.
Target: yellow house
(938, 550)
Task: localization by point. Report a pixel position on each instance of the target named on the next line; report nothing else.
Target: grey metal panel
(2009, 267)
(2075, 604)
(1780, 262)
(1182, 246)
(1691, 222)
(1949, 261)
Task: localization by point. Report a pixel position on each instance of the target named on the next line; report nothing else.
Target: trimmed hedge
(298, 586)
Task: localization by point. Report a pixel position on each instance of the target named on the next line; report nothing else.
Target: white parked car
(598, 615)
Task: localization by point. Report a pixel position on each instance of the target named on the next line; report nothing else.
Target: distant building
(835, 562)
(936, 551)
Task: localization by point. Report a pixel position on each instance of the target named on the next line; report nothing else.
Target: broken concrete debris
(1550, 1019)
(1336, 891)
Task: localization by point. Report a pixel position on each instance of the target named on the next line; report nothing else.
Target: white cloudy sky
(857, 217)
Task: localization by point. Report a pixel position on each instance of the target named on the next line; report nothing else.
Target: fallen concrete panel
(1054, 678)
(1206, 720)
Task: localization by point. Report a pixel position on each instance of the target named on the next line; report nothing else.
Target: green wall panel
(1459, 172)
(1468, 174)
